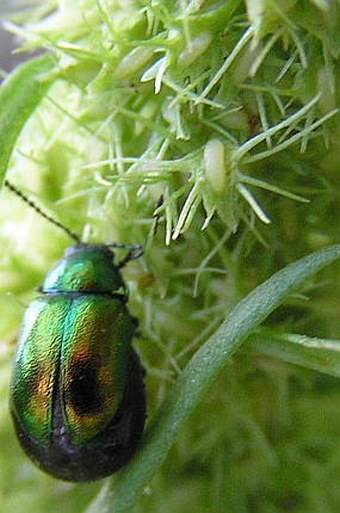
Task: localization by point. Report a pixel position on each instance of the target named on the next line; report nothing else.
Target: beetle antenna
(43, 214)
(136, 250)
(133, 251)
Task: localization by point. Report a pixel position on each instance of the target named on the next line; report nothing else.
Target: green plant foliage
(202, 370)
(228, 111)
(18, 103)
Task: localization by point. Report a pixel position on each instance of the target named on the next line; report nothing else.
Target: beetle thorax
(85, 268)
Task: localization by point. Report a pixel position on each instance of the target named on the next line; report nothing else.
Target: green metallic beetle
(77, 393)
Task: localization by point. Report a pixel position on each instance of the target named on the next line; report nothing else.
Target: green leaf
(314, 353)
(199, 374)
(20, 94)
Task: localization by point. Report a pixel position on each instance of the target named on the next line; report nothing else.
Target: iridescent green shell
(71, 343)
(76, 386)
